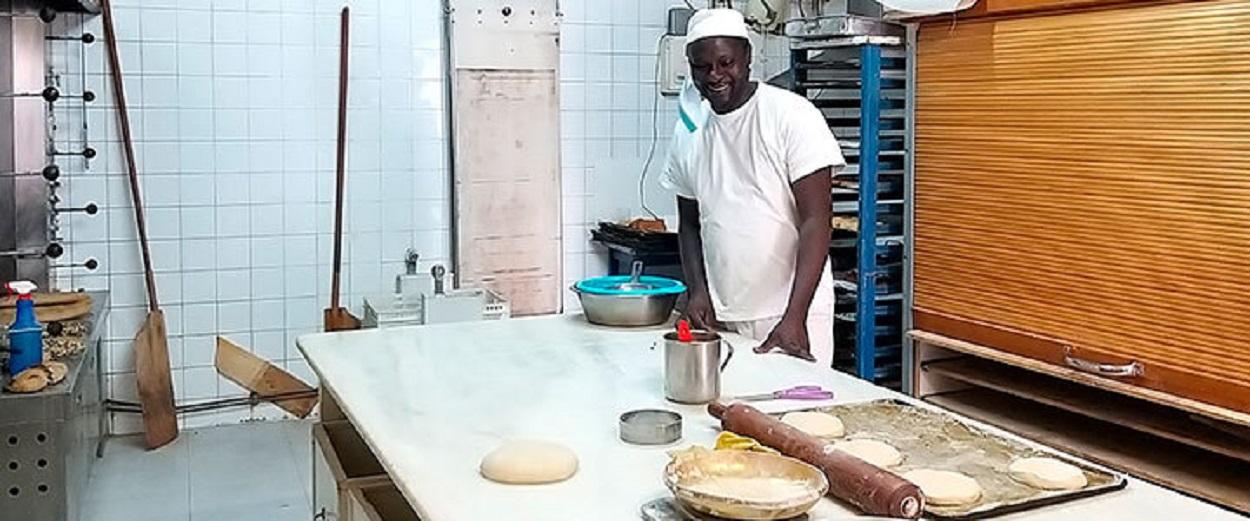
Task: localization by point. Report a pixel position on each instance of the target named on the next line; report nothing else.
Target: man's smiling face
(721, 69)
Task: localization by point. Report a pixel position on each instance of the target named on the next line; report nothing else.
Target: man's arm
(699, 304)
(813, 200)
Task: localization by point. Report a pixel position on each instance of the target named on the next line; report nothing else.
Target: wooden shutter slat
(1083, 179)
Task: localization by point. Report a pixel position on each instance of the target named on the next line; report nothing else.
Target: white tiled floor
(253, 472)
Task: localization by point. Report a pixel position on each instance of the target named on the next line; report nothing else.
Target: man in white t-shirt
(753, 184)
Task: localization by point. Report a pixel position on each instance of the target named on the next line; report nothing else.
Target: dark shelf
(64, 6)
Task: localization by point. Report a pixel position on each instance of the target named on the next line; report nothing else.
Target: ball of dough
(1047, 474)
(529, 462)
(31, 380)
(875, 452)
(818, 424)
(945, 488)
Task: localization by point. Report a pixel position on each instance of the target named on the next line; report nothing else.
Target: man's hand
(700, 312)
(790, 336)
(812, 199)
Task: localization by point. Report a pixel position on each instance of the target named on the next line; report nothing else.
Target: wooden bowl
(795, 486)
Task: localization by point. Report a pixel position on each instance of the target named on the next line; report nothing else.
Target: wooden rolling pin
(876, 491)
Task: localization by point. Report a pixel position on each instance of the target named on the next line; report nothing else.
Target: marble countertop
(432, 400)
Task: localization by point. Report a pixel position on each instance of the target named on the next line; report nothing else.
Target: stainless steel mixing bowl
(626, 310)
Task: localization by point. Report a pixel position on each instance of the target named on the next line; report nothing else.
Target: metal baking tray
(939, 440)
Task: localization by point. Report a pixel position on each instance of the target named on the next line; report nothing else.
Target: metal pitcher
(692, 369)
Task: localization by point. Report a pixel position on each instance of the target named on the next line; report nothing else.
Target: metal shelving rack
(43, 136)
(855, 70)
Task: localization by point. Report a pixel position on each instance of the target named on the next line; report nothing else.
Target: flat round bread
(1047, 474)
(529, 462)
(56, 372)
(878, 453)
(818, 424)
(31, 380)
(945, 488)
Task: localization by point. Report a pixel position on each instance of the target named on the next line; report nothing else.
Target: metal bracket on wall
(46, 15)
(31, 96)
(51, 95)
(86, 152)
(51, 251)
(843, 26)
(23, 146)
(909, 210)
(49, 173)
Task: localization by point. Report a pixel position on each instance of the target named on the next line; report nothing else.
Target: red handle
(683, 331)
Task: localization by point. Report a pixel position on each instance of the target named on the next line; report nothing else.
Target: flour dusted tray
(935, 439)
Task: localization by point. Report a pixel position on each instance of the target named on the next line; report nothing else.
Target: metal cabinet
(49, 440)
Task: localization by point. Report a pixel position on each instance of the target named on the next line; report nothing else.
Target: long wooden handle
(119, 95)
(341, 162)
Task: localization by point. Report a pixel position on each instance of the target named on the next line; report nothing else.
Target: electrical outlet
(673, 65)
(678, 19)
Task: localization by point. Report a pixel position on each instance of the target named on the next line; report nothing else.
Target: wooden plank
(1235, 430)
(152, 371)
(1034, 7)
(49, 312)
(984, 9)
(155, 383)
(1080, 181)
(928, 383)
(507, 168)
(345, 452)
(1196, 472)
(383, 502)
(263, 378)
(330, 410)
(1073, 375)
(1155, 374)
(1140, 415)
(43, 298)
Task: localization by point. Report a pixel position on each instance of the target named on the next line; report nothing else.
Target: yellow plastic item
(730, 441)
(726, 441)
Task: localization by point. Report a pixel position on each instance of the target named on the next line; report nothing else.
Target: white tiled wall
(607, 89)
(608, 121)
(233, 112)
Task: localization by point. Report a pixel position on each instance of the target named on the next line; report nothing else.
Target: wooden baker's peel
(338, 318)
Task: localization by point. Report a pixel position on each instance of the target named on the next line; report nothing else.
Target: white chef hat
(708, 23)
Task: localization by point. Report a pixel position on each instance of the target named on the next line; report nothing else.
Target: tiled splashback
(233, 112)
(609, 122)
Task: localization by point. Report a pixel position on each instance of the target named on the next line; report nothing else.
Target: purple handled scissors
(800, 392)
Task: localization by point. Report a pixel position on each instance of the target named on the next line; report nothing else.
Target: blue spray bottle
(25, 334)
